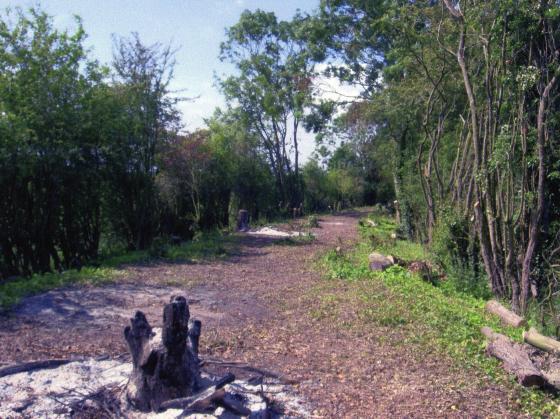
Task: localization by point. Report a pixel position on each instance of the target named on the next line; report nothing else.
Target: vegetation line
(110, 269)
(436, 317)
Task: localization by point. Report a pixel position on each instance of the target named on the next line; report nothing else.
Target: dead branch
(246, 367)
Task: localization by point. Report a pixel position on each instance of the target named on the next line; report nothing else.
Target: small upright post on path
(243, 220)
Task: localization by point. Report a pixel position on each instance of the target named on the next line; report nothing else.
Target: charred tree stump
(243, 220)
(163, 370)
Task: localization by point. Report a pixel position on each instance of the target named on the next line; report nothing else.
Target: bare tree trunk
(537, 214)
(496, 280)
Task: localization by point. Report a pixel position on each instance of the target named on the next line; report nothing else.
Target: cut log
(515, 360)
(199, 403)
(246, 367)
(508, 317)
(234, 406)
(422, 269)
(379, 262)
(35, 365)
(542, 342)
(43, 364)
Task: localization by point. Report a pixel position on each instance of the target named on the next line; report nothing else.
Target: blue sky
(196, 26)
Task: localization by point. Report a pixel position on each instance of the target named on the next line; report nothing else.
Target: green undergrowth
(207, 246)
(13, 291)
(435, 317)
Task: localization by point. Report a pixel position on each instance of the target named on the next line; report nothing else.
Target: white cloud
(331, 88)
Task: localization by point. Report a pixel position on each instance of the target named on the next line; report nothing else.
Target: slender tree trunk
(537, 213)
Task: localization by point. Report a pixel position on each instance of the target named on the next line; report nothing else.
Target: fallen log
(33, 366)
(234, 406)
(42, 365)
(246, 367)
(379, 262)
(515, 360)
(545, 343)
(201, 401)
(507, 316)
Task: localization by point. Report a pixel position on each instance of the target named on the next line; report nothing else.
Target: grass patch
(207, 246)
(437, 318)
(13, 291)
(383, 238)
(312, 222)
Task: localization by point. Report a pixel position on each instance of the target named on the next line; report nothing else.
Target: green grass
(208, 246)
(436, 318)
(13, 291)
(379, 238)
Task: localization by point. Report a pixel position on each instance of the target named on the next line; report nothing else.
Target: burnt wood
(162, 370)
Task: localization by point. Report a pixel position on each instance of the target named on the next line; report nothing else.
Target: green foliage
(11, 292)
(77, 153)
(336, 187)
(450, 134)
(312, 222)
(159, 248)
(456, 252)
(144, 118)
(436, 318)
(207, 246)
(383, 238)
(49, 209)
(273, 89)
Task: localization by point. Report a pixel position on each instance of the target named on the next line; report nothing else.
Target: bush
(159, 248)
(312, 221)
(456, 250)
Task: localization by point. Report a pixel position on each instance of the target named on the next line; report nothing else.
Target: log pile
(541, 342)
(515, 359)
(508, 317)
(534, 366)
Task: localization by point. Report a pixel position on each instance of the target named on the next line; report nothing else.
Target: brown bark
(490, 265)
(542, 342)
(508, 317)
(515, 360)
(537, 214)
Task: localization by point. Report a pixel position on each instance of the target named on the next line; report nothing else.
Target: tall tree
(273, 87)
(49, 213)
(146, 119)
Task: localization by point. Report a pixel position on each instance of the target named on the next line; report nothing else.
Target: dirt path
(266, 305)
